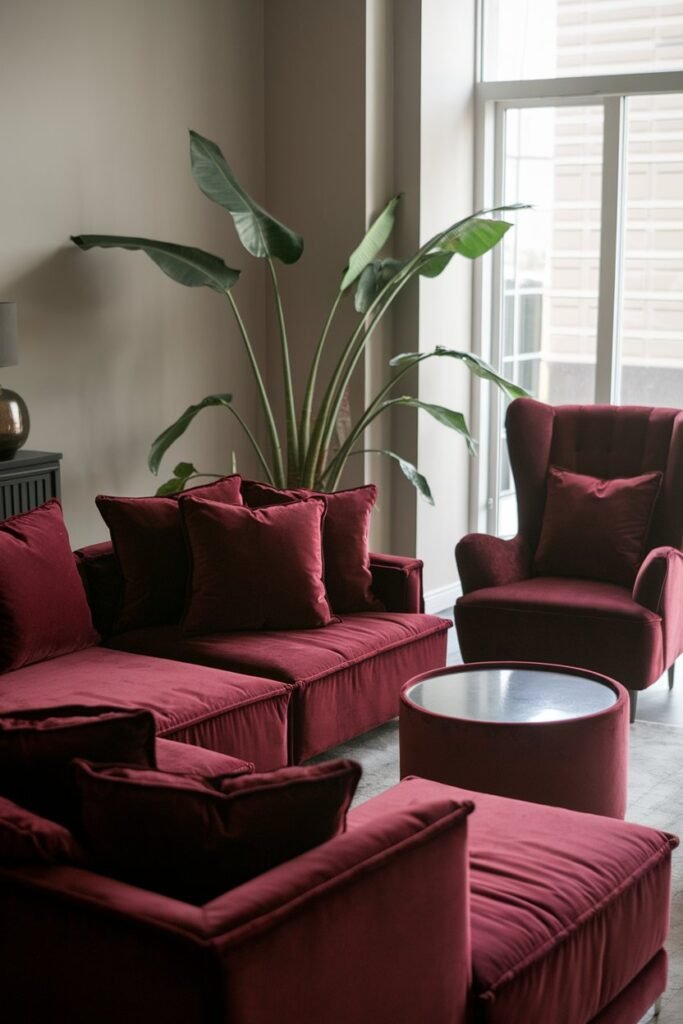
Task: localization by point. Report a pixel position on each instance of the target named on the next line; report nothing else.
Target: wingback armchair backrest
(607, 441)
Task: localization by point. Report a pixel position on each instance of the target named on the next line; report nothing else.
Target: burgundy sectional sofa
(273, 697)
(437, 904)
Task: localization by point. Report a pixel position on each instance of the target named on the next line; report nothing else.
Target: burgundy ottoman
(545, 733)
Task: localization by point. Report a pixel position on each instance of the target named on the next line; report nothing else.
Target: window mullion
(607, 375)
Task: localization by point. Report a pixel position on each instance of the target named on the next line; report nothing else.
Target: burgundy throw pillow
(254, 568)
(37, 747)
(148, 540)
(194, 839)
(593, 528)
(345, 540)
(43, 608)
(26, 838)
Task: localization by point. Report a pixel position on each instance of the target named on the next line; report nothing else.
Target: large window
(586, 294)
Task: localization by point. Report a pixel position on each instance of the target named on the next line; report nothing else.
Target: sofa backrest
(606, 441)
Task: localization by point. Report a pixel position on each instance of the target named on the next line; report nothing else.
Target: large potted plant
(307, 457)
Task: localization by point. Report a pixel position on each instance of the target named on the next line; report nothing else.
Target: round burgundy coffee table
(545, 733)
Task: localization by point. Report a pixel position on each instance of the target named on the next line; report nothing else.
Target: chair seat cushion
(591, 624)
(553, 892)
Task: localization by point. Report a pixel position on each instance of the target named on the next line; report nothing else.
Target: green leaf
(448, 417)
(373, 279)
(185, 264)
(378, 274)
(475, 364)
(371, 244)
(410, 472)
(259, 233)
(184, 469)
(167, 437)
(474, 237)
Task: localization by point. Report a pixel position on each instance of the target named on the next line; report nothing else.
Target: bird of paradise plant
(307, 457)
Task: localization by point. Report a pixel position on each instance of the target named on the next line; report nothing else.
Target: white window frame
(492, 100)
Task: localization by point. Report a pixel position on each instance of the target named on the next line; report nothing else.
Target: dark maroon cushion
(43, 608)
(195, 839)
(345, 540)
(594, 528)
(254, 568)
(26, 838)
(37, 747)
(148, 540)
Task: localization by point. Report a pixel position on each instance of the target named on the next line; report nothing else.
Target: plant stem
(278, 475)
(336, 465)
(307, 407)
(290, 407)
(254, 443)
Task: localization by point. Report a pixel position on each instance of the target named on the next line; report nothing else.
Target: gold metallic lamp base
(14, 422)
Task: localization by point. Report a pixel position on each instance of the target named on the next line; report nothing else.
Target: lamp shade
(8, 334)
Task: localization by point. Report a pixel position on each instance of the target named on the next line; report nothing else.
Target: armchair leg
(657, 1008)
(633, 700)
(671, 671)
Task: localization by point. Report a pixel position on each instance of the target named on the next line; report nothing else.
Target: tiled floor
(656, 704)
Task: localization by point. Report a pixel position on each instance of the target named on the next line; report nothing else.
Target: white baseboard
(442, 599)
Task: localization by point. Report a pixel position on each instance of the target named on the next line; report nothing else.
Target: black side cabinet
(26, 480)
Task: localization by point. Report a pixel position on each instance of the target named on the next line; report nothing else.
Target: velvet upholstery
(593, 528)
(148, 540)
(579, 763)
(26, 838)
(194, 838)
(227, 712)
(345, 540)
(517, 912)
(38, 745)
(370, 654)
(553, 893)
(186, 759)
(507, 614)
(396, 580)
(254, 568)
(262, 952)
(43, 609)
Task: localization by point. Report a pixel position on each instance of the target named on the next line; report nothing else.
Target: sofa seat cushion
(346, 678)
(186, 759)
(553, 892)
(233, 713)
(564, 621)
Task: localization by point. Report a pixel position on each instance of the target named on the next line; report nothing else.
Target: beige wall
(324, 110)
(446, 195)
(96, 99)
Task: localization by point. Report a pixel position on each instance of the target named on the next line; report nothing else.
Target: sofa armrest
(381, 912)
(103, 582)
(397, 582)
(371, 924)
(487, 561)
(659, 587)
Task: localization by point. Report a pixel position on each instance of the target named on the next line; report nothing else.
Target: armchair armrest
(659, 587)
(397, 582)
(487, 561)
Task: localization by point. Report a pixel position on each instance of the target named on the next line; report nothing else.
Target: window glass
(652, 291)
(560, 38)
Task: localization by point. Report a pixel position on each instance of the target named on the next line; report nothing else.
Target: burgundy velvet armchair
(631, 630)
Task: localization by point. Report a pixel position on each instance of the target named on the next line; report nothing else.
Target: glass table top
(511, 695)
